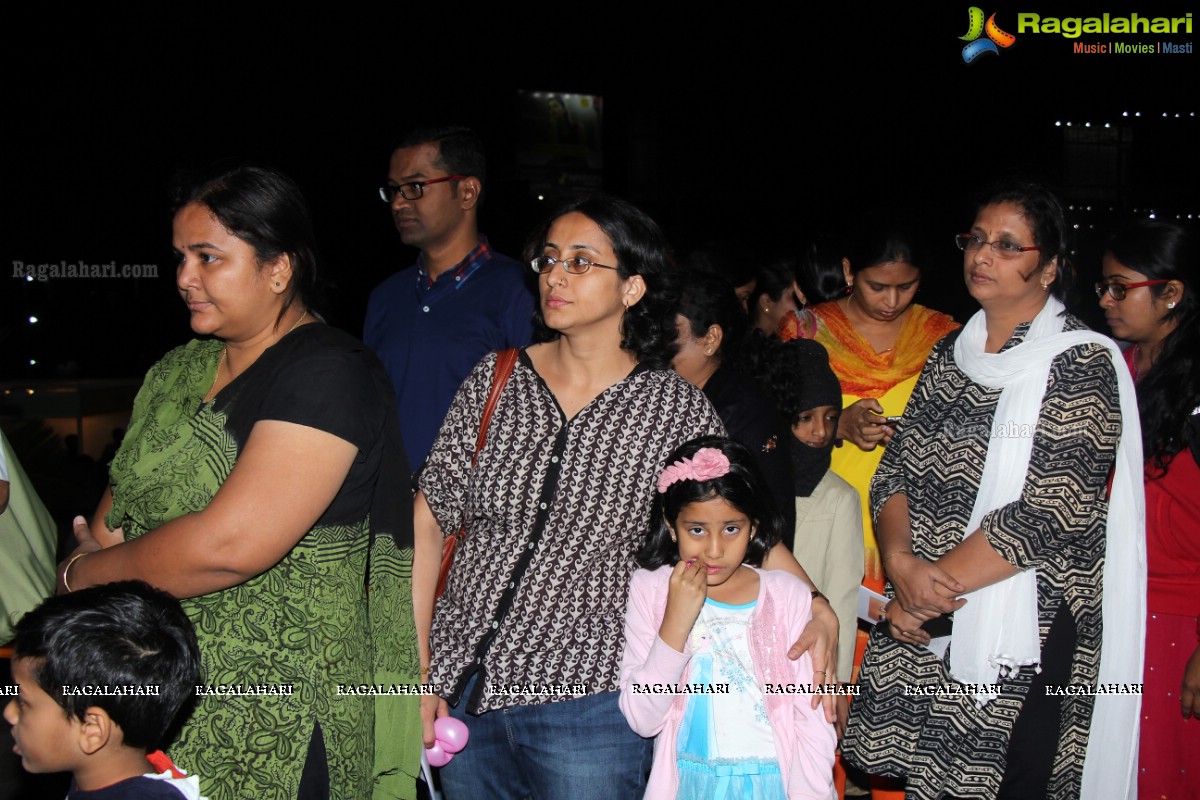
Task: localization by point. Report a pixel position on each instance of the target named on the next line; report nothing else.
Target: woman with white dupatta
(1009, 663)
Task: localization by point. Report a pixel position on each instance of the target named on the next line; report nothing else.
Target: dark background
(734, 123)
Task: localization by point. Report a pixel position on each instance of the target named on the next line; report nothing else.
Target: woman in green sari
(263, 482)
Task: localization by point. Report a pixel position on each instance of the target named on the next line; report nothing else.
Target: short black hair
(1043, 213)
(265, 209)
(743, 487)
(710, 300)
(648, 330)
(773, 277)
(460, 150)
(115, 635)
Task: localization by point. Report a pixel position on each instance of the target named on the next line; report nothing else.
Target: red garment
(1169, 753)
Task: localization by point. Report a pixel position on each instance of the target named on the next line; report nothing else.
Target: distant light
(1152, 216)
(1107, 125)
(1165, 115)
(1087, 124)
(1058, 124)
(32, 320)
(29, 279)
(541, 197)
(1137, 113)
(1124, 113)
(1176, 116)
(33, 362)
(29, 391)
(1068, 124)
(1075, 226)
(1070, 208)
(1089, 208)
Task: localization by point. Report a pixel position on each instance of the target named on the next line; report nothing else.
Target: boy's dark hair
(743, 487)
(115, 635)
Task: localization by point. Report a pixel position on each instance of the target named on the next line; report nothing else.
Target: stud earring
(1171, 304)
(1045, 287)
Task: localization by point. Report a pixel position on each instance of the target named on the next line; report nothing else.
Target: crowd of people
(672, 489)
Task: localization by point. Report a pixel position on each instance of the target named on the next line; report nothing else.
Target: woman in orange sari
(878, 339)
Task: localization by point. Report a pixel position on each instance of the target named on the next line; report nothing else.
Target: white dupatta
(997, 630)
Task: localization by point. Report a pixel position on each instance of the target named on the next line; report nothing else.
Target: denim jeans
(582, 749)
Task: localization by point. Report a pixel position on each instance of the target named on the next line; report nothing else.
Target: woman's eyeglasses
(969, 243)
(1116, 289)
(576, 266)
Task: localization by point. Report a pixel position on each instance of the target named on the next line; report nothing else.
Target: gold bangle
(897, 553)
(67, 570)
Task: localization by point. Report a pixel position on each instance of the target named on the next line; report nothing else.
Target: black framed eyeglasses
(1116, 289)
(576, 265)
(414, 190)
(970, 243)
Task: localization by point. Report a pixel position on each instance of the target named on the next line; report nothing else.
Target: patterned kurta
(555, 510)
(947, 745)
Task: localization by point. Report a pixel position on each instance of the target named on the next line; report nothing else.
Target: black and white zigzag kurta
(555, 510)
(946, 745)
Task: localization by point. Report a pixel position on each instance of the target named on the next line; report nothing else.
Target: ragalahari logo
(996, 38)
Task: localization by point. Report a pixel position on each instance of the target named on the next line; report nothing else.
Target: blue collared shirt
(430, 333)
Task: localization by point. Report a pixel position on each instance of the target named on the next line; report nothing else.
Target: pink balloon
(437, 756)
(451, 733)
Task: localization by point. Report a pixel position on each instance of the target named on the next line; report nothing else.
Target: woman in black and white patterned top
(995, 490)
(527, 639)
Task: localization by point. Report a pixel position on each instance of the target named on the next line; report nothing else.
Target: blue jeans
(581, 749)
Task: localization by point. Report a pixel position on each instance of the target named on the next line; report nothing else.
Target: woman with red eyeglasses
(1149, 298)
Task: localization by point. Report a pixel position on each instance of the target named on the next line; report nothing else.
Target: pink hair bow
(707, 464)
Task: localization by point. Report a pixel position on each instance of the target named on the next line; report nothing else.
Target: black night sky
(722, 123)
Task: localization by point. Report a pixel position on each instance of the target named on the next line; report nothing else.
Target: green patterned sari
(280, 649)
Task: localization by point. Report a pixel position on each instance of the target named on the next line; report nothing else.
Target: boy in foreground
(102, 676)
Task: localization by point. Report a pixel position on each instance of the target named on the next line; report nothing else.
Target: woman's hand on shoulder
(820, 640)
(686, 593)
(923, 589)
(862, 422)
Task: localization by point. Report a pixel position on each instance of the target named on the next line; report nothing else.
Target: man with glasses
(431, 323)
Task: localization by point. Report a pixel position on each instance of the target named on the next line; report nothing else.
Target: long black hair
(743, 487)
(1170, 391)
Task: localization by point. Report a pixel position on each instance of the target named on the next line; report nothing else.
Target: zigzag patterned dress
(947, 745)
(305, 622)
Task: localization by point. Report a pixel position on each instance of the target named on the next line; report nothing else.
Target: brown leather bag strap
(505, 361)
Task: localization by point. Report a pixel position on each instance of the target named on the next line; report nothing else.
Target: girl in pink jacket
(705, 668)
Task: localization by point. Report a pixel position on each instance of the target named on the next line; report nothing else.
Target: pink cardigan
(804, 740)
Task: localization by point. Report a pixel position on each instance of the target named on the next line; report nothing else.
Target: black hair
(709, 300)
(266, 210)
(648, 329)
(460, 150)
(730, 259)
(881, 238)
(1169, 392)
(115, 635)
(819, 269)
(773, 277)
(743, 487)
(1043, 213)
